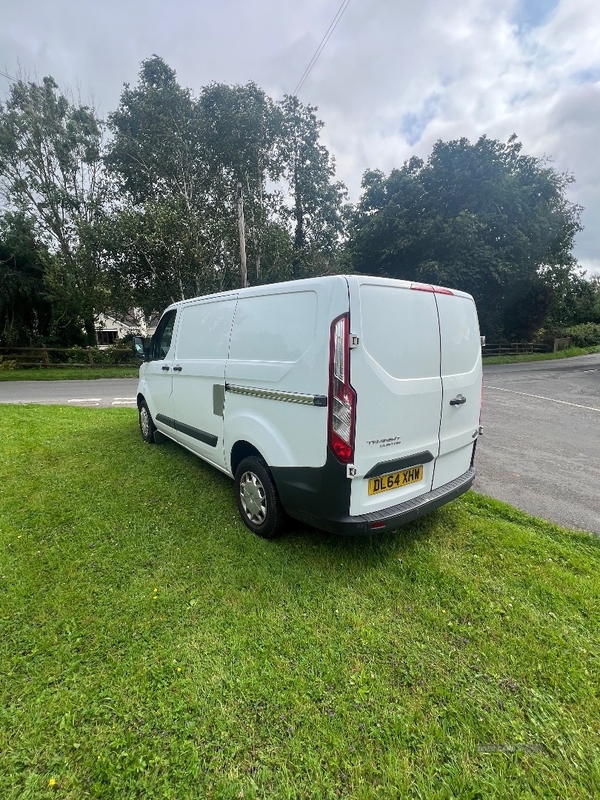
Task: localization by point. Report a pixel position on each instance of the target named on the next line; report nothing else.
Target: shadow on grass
(301, 543)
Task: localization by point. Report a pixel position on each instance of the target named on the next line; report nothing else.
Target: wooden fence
(44, 357)
(515, 349)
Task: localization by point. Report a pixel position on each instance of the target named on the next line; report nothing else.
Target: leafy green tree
(178, 160)
(25, 313)
(242, 130)
(156, 151)
(175, 233)
(318, 201)
(481, 217)
(153, 240)
(36, 306)
(51, 171)
(576, 300)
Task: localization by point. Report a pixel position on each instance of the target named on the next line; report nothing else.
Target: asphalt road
(100, 392)
(540, 450)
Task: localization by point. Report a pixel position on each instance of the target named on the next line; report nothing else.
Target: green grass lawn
(569, 353)
(151, 647)
(68, 373)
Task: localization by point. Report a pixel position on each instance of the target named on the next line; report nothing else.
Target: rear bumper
(398, 515)
(324, 504)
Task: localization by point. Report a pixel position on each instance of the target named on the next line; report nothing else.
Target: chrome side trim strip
(275, 394)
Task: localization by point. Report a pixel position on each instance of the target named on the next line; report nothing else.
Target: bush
(585, 335)
(5, 364)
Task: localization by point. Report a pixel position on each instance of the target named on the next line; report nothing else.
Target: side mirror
(139, 349)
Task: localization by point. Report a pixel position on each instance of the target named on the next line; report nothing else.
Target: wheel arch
(241, 450)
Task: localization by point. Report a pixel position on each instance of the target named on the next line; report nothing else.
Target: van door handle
(165, 368)
(458, 400)
(177, 369)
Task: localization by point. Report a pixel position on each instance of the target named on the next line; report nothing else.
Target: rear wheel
(147, 427)
(257, 499)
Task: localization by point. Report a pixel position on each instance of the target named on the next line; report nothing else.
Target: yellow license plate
(395, 480)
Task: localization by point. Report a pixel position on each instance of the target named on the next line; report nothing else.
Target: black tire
(257, 499)
(147, 427)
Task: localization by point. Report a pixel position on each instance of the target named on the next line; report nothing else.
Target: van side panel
(395, 371)
(277, 375)
(202, 344)
(461, 385)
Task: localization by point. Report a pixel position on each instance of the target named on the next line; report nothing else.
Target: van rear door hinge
(350, 471)
(354, 341)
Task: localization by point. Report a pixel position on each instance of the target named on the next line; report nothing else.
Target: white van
(349, 402)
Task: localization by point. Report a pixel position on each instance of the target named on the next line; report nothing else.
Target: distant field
(151, 647)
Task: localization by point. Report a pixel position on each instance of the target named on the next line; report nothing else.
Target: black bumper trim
(394, 516)
(385, 467)
(202, 436)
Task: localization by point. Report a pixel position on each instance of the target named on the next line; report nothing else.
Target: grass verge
(569, 353)
(150, 646)
(68, 373)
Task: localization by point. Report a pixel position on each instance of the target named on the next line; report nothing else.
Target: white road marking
(124, 401)
(540, 397)
(93, 400)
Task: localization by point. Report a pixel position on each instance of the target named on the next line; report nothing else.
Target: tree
(156, 151)
(243, 128)
(318, 202)
(25, 313)
(175, 232)
(51, 171)
(481, 217)
(576, 300)
(178, 160)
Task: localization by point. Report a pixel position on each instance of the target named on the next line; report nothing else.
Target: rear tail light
(342, 397)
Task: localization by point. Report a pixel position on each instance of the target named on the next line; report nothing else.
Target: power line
(9, 77)
(321, 47)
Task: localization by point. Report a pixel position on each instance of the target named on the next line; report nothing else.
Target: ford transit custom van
(349, 402)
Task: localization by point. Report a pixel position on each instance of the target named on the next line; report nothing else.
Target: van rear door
(395, 372)
(461, 384)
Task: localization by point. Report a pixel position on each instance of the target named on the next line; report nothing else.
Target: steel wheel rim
(144, 421)
(253, 498)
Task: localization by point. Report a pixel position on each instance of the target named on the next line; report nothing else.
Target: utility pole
(240, 212)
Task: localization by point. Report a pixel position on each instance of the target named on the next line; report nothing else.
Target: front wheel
(147, 427)
(257, 499)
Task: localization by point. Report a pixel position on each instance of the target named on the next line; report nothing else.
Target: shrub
(5, 364)
(587, 334)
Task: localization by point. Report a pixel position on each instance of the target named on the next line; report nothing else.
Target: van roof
(310, 282)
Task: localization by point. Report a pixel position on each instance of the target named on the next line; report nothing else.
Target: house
(110, 329)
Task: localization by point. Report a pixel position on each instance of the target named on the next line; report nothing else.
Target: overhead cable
(321, 47)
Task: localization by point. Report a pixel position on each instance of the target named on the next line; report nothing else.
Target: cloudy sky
(395, 76)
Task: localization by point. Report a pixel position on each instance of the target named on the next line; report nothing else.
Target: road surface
(540, 450)
(99, 392)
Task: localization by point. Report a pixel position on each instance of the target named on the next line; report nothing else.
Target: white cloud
(393, 78)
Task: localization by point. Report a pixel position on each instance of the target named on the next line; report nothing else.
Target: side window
(161, 341)
(204, 330)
